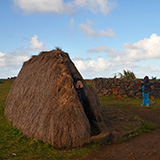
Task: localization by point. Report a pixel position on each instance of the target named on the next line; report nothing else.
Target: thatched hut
(43, 103)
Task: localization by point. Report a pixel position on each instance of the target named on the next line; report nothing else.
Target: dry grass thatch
(44, 104)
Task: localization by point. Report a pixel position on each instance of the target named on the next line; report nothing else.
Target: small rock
(13, 154)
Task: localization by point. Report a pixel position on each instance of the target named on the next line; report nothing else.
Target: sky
(102, 37)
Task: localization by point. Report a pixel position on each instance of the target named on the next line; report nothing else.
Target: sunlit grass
(127, 103)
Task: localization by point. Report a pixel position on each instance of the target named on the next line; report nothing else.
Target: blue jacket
(146, 87)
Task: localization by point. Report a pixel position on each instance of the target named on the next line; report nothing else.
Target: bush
(126, 75)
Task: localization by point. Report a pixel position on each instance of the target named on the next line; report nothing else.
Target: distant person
(146, 89)
(80, 91)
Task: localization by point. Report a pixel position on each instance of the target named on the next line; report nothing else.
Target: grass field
(14, 146)
(127, 103)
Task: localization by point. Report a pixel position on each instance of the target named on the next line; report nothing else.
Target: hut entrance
(91, 117)
(86, 106)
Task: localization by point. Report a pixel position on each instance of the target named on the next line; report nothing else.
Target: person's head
(146, 78)
(78, 83)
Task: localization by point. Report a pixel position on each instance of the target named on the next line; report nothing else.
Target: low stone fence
(124, 88)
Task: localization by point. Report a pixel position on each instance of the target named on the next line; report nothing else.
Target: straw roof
(43, 102)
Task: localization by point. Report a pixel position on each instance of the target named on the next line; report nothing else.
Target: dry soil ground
(143, 147)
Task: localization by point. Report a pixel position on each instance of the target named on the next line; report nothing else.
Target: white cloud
(10, 63)
(55, 6)
(82, 59)
(103, 6)
(2, 60)
(102, 48)
(71, 24)
(92, 66)
(131, 58)
(148, 48)
(1, 54)
(108, 68)
(36, 45)
(10, 59)
(153, 69)
(87, 29)
(137, 57)
(101, 67)
(149, 70)
(60, 7)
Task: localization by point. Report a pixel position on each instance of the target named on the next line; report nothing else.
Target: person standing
(80, 91)
(146, 89)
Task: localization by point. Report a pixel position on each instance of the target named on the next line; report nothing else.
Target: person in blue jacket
(146, 89)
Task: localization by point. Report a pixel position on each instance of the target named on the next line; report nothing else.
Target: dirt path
(142, 147)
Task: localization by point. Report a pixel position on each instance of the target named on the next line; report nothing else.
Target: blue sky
(102, 37)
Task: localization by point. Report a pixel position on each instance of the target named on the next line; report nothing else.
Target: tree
(127, 75)
(154, 78)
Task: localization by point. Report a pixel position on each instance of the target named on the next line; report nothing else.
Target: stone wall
(124, 88)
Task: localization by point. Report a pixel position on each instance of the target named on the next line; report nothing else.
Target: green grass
(14, 146)
(127, 103)
(134, 104)
(147, 127)
(90, 83)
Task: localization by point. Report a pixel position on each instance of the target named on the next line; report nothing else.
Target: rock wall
(124, 88)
